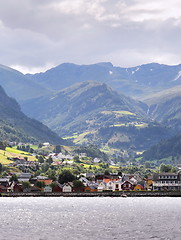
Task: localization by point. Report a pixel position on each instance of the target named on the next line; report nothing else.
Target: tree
(40, 184)
(40, 145)
(106, 172)
(57, 149)
(76, 158)
(31, 150)
(53, 185)
(66, 176)
(1, 167)
(77, 184)
(51, 174)
(40, 159)
(13, 178)
(147, 164)
(2, 145)
(50, 160)
(165, 168)
(44, 167)
(26, 185)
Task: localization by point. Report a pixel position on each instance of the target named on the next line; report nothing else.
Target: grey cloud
(130, 32)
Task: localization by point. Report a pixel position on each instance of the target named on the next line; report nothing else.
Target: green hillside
(83, 107)
(92, 112)
(18, 86)
(16, 126)
(165, 149)
(165, 107)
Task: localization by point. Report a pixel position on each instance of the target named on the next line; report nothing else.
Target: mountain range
(82, 106)
(121, 107)
(136, 81)
(92, 112)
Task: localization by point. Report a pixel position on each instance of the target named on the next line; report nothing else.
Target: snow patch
(110, 72)
(178, 76)
(52, 98)
(137, 69)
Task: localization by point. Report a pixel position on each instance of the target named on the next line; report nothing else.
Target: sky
(36, 35)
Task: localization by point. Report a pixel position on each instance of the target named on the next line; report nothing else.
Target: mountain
(167, 148)
(93, 109)
(136, 81)
(16, 126)
(83, 106)
(91, 112)
(18, 86)
(165, 107)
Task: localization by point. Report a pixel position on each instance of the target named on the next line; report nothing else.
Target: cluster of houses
(19, 162)
(95, 183)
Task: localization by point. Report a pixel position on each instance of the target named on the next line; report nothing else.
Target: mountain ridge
(82, 98)
(16, 126)
(133, 81)
(97, 114)
(18, 86)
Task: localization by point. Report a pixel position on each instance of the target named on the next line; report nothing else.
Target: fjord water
(48, 218)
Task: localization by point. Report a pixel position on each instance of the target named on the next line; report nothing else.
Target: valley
(125, 110)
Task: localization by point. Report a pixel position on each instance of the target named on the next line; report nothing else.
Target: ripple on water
(90, 218)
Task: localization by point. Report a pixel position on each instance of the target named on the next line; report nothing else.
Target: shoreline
(97, 194)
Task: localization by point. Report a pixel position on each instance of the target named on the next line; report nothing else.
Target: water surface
(94, 218)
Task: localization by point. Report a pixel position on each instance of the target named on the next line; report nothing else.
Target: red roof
(46, 181)
(106, 180)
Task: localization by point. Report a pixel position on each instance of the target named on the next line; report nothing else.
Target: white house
(110, 186)
(47, 189)
(117, 185)
(97, 160)
(67, 187)
(102, 186)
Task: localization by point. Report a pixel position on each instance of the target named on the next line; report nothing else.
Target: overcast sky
(38, 34)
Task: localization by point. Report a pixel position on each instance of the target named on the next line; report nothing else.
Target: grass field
(79, 138)
(118, 112)
(16, 151)
(12, 152)
(3, 158)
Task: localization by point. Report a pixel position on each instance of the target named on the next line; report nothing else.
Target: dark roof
(168, 174)
(157, 175)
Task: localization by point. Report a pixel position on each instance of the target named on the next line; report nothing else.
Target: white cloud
(38, 34)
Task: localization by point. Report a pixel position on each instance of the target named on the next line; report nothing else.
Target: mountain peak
(105, 64)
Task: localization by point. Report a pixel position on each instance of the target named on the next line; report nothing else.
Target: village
(90, 182)
(65, 172)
